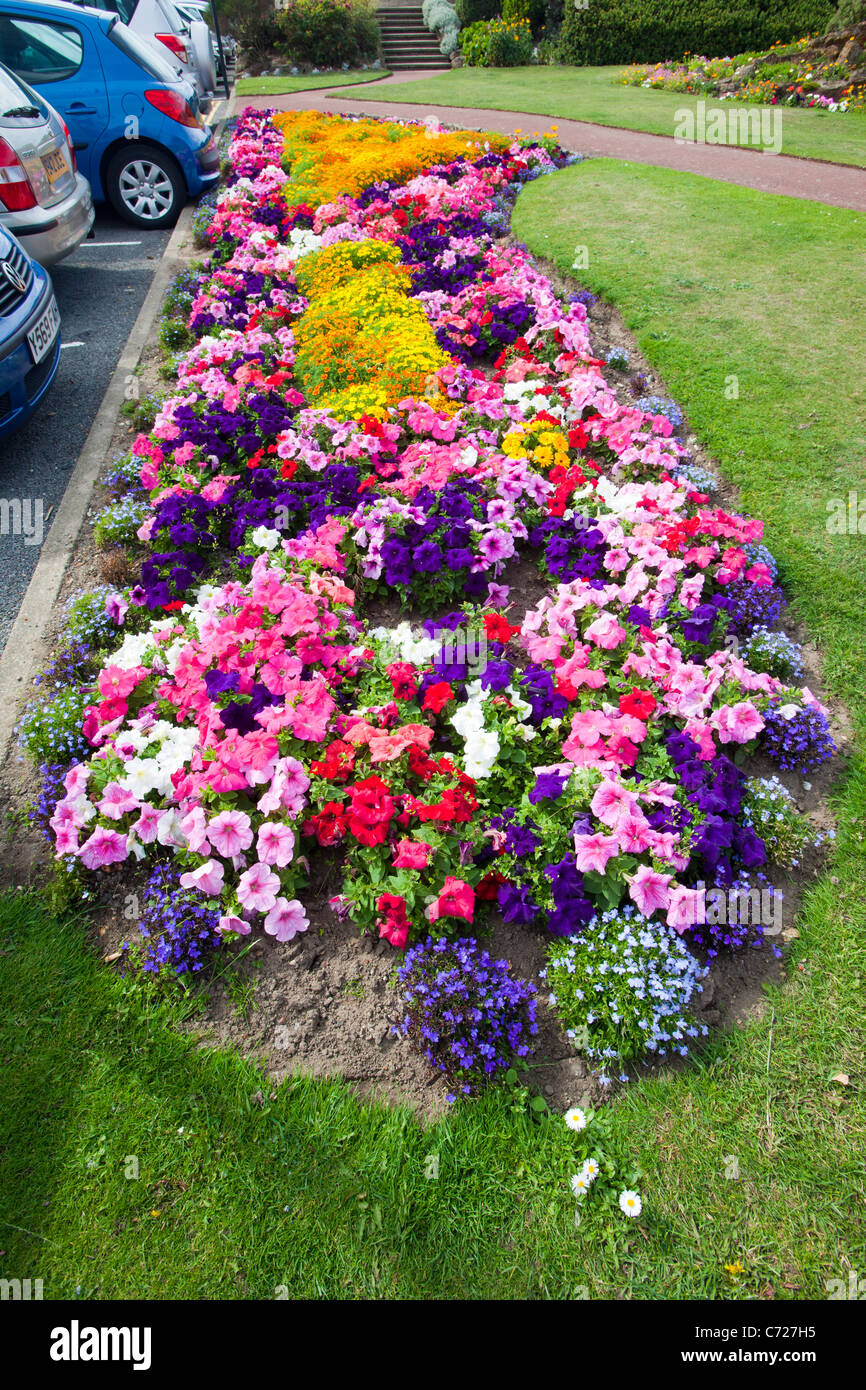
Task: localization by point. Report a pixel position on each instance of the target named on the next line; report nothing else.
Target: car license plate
(42, 336)
(55, 165)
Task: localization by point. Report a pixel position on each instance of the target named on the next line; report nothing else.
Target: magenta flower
(117, 801)
(229, 922)
(258, 888)
(648, 890)
(275, 844)
(207, 878)
(286, 919)
(687, 908)
(593, 851)
(104, 847)
(147, 825)
(230, 833)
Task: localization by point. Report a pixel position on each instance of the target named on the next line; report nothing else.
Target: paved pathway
(837, 184)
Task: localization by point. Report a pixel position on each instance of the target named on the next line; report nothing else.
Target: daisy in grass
(630, 1203)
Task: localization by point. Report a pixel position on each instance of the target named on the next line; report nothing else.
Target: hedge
(649, 31)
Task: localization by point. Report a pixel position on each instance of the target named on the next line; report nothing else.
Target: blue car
(29, 334)
(136, 126)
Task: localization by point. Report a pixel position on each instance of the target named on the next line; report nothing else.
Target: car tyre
(145, 186)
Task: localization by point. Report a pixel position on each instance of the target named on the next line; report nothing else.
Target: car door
(60, 59)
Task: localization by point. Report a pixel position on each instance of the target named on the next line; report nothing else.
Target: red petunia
(640, 703)
(437, 696)
(498, 629)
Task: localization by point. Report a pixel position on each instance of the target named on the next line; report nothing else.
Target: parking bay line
(69, 345)
(87, 244)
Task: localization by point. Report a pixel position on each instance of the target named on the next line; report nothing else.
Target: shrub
(623, 986)
(465, 1012)
(471, 11)
(327, 32)
(441, 17)
(530, 10)
(847, 13)
(619, 31)
(497, 44)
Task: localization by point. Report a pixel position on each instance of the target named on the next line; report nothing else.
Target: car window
(142, 54)
(39, 51)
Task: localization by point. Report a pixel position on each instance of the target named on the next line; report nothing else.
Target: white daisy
(630, 1203)
(575, 1118)
(579, 1185)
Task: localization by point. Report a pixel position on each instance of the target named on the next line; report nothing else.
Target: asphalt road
(100, 289)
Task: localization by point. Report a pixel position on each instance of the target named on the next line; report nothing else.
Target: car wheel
(145, 186)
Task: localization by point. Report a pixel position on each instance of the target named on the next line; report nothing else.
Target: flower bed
(388, 409)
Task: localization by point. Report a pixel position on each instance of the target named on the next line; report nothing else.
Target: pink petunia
(230, 833)
(592, 852)
(117, 801)
(147, 825)
(207, 878)
(649, 890)
(737, 723)
(229, 922)
(104, 847)
(411, 854)
(258, 888)
(275, 844)
(286, 919)
(193, 827)
(605, 632)
(686, 908)
(612, 801)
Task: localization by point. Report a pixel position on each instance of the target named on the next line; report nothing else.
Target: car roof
(61, 7)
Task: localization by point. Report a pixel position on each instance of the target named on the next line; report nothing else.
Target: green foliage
(497, 43)
(531, 10)
(471, 11)
(620, 31)
(327, 31)
(848, 12)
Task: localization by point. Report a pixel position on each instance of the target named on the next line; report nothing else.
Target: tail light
(70, 144)
(176, 44)
(16, 194)
(173, 105)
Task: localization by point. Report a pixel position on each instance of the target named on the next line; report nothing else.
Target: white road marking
(109, 243)
(68, 345)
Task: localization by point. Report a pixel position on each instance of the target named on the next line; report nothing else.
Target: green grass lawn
(281, 86)
(327, 1197)
(590, 94)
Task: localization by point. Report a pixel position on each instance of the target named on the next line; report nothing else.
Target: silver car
(44, 201)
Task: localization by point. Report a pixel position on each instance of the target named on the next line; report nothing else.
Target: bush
(620, 31)
(256, 29)
(531, 10)
(848, 12)
(497, 44)
(441, 17)
(327, 32)
(471, 11)
(465, 1012)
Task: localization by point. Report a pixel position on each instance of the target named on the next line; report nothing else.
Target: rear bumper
(23, 383)
(49, 234)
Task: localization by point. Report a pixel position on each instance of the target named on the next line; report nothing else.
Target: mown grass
(753, 1154)
(592, 94)
(282, 86)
